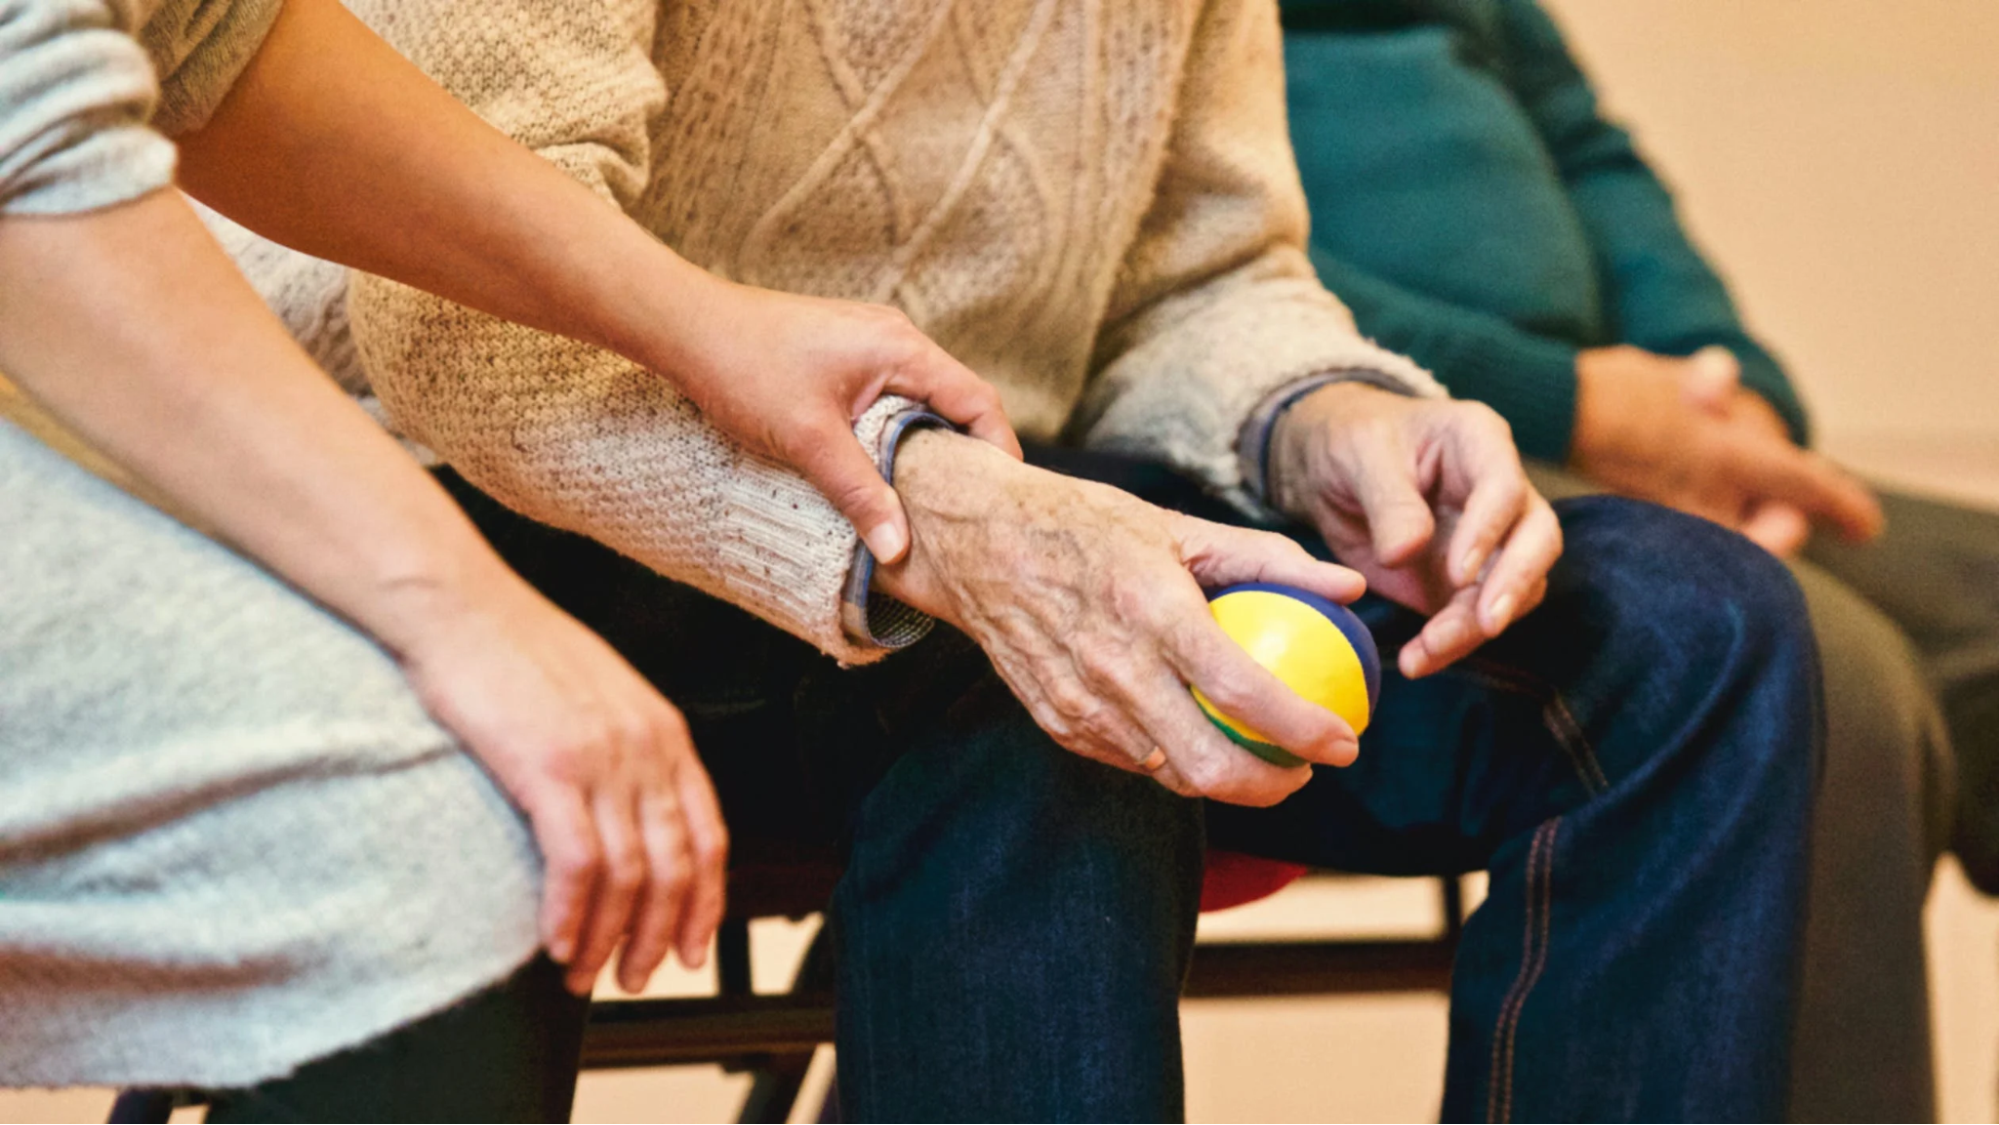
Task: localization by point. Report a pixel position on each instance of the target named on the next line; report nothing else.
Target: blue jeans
(1633, 763)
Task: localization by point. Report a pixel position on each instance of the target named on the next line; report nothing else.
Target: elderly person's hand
(1427, 498)
(1089, 602)
(1686, 434)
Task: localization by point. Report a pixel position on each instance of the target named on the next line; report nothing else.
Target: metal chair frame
(773, 1036)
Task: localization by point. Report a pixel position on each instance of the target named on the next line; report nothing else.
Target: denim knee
(1676, 616)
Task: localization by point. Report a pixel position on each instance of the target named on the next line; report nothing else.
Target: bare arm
(131, 326)
(333, 144)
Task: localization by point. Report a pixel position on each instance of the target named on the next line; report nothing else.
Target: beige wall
(1840, 159)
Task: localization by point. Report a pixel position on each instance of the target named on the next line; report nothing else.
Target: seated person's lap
(1633, 761)
(235, 805)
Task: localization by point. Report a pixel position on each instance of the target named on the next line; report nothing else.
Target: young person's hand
(128, 325)
(1427, 498)
(333, 144)
(787, 375)
(632, 839)
(1089, 602)
(1686, 434)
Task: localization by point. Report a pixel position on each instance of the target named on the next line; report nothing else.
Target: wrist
(1599, 427)
(665, 311)
(951, 486)
(444, 595)
(1298, 437)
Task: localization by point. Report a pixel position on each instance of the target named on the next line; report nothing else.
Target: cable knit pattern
(1091, 204)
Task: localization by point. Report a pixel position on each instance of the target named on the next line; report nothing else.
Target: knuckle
(568, 760)
(575, 859)
(711, 851)
(1071, 701)
(625, 868)
(1205, 774)
(670, 728)
(674, 881)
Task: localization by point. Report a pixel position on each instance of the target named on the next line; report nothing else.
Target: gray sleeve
(75, 95)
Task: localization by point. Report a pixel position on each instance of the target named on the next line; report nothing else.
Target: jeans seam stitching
(1556, 716)
(1533, 959)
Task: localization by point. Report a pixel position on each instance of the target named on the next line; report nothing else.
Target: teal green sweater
(1477, 212)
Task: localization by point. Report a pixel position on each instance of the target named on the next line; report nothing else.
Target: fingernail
(561, 950)
(1345, 750)
(1501, 615)
(1411, 660)
(886, 542)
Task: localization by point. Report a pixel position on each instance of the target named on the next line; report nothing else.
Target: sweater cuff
(1253, 444)
(868, 616)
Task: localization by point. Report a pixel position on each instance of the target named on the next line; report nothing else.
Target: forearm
(130, 326)
(333, 144)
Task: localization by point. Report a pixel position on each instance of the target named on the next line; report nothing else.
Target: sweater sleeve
(1662, 295)
(76, 92)
(1217, 307)
(569, 434)
(1529, 379)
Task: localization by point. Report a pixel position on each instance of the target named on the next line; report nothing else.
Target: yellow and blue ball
(1318, 648)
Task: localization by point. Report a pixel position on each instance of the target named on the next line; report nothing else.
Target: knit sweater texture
(1092, 205)
(231, 839)
(1476, 210)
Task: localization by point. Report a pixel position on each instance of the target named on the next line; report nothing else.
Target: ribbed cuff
(868, 616)
(1253, 444)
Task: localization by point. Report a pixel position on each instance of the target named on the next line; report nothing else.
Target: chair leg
(774, 1090)
(143, 1105)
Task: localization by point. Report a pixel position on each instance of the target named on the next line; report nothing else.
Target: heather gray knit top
(231, 840)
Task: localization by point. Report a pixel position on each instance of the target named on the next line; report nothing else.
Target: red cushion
(1233, 879)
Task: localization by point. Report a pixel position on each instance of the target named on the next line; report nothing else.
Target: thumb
(1710, 378)
(833, 460)
(958, 395)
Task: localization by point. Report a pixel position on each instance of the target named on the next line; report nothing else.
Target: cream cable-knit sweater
(1093, 204)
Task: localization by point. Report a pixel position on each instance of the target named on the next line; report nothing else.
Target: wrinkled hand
(1425, 497)
(602, 765)
(787, 375)
(1089, 602)
(1686, 434)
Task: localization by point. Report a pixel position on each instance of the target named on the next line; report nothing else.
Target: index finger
(1529, 554)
